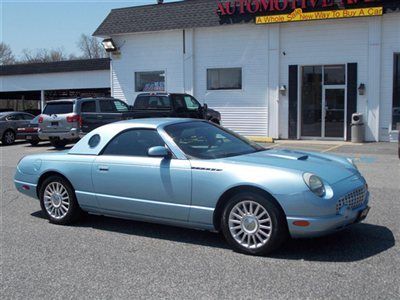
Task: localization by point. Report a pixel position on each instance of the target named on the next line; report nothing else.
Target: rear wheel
(57, 143)
(58, 201)
(253, 224)
(8, 137)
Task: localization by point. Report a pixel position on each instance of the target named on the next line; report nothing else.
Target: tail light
(40, 120)
(74, 118)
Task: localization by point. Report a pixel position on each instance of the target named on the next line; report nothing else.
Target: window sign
(150, 81)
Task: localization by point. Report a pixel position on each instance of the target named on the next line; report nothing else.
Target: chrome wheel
(56, 200)
(9, 137)
(250, 224)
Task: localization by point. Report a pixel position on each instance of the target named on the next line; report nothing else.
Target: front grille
(353, 199)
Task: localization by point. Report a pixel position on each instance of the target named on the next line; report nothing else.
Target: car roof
(109, 131)
(160, 94)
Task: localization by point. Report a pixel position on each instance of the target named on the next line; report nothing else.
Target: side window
(88, 106)
(107, 106)
(27, 117)
(179, 103)
(142, 102)
(191, 103)
(134, 142)
(12, 118)
(120, 106)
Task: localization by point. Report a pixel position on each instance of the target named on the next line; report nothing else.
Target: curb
(260, 139)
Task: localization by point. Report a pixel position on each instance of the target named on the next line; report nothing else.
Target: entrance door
(333, 112)
(323, 102)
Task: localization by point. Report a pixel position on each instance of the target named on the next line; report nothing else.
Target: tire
(57, 143)
(236, 231)
(34, 142)
(53, 193)
(8, 137)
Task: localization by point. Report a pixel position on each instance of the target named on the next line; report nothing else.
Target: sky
(54, 24)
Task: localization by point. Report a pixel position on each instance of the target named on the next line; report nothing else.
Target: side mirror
(205, 106)
(159, 151)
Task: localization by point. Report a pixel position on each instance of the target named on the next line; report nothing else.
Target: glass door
(333, 112)
(323, 102)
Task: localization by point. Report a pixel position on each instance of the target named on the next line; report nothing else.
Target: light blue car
(196, 174)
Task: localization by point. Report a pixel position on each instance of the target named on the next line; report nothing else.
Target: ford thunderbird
(197, 174)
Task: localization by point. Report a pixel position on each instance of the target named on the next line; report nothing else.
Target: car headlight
(315, 184)
(351, 161)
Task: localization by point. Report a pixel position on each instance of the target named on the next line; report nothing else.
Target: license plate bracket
(54, 123)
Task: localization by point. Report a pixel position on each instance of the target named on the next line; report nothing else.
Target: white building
(284, 80)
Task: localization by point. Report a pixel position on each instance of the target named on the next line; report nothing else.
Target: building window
(396, 93)
(224, 79)
(150, 81)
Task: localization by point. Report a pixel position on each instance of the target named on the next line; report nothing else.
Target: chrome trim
(25, 183)
(147, 201)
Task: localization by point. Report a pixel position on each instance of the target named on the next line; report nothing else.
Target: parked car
(10, 122)
(194, 173)
(155, 105)
(30, 132)
(65, 121)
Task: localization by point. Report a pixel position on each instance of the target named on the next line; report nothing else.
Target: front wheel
(8, 138)
(58, 201)
(253, 224)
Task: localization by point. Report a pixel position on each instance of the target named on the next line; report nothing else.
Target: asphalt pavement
(107, 258)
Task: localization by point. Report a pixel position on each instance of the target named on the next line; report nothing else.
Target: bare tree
(6, 55)
(43, 55)
(91, 47)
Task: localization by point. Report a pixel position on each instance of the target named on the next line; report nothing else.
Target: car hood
(329, 167)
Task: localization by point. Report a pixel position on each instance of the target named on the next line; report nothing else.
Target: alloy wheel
(250, 224)
(56, 200)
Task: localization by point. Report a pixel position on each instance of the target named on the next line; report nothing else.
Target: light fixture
(361, 89)
(283, 90)
(109, 45)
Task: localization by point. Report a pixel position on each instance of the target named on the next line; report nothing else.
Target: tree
(6, 55)
(43, 55)
(91, 47)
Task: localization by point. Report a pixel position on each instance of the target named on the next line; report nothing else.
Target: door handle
(99, 116)
(103, 168)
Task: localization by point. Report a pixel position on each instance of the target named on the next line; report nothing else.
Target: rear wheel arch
(227, 195)
(46, 175)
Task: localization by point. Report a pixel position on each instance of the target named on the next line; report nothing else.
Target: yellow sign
(298, 15)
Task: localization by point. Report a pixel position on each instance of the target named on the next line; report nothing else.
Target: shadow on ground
(356, 243)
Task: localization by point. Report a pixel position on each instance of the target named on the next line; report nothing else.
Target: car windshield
(55, 108)
(204, 140)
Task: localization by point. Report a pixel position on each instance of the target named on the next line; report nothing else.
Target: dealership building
(284, 69)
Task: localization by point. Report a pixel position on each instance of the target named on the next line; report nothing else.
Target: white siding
(390, 45)
(244, 46)
(55, 81)
(147, 52)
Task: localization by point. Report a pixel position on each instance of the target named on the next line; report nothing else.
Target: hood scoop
(288, 154)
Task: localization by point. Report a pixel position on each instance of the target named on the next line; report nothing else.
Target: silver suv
(65, 121)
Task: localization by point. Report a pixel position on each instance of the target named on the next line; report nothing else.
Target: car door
(129, 182)
(111, 110)
(89, 116)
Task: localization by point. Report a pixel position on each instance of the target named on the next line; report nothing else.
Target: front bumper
(319, 226)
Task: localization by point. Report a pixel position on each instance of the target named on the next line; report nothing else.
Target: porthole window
(94, 141)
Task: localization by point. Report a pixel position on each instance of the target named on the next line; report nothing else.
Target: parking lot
(103, 257)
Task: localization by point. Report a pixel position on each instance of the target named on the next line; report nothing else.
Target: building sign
(298, 15)
(271, 7)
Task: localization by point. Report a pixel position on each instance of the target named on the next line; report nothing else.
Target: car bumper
(63, 135)
(319, 226)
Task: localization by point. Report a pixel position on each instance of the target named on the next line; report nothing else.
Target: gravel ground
(109, 258)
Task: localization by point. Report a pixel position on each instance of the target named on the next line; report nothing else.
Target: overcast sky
(55, 23)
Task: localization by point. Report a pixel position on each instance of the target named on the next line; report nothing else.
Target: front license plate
(28, 137)
(363, 214)
(54, 123)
